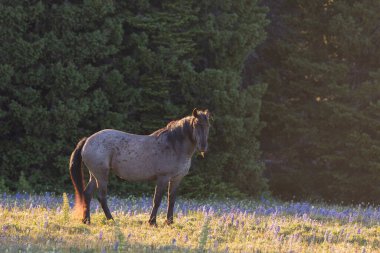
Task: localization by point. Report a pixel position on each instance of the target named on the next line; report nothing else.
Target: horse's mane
(176, 130)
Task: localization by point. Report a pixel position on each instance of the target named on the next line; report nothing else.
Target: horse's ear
(195, 112)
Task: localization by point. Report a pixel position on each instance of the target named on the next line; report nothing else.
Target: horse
(163, 156)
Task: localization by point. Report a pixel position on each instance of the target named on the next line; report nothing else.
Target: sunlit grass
(41, 223)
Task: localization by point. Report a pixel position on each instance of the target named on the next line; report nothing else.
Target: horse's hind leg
(88, 192)
(102, 195)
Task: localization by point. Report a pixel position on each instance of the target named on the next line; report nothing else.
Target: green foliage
(23, 184)
(65, 207)
(322, 107)
(3, 186)
(204, 234)
(69, 69)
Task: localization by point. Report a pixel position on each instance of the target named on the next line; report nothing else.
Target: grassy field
(43, 223)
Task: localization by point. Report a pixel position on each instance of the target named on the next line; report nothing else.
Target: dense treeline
(308, 90)
(322, 106)
(70, 68)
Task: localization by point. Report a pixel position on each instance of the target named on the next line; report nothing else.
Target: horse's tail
(76, 175)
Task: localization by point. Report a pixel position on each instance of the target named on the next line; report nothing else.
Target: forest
(293, 88)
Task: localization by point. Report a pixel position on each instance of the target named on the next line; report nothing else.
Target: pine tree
(322, 104)
(71, 68)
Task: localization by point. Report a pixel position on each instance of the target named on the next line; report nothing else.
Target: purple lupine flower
(116, 246)
(330, 237)
(5, 228)
(325, 237)
(277, 230)
(232, 218)
(186, 239)
(100, 235)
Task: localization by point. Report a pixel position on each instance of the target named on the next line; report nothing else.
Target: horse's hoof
(110, 221)
(169, 222)
(86, 221)
(153, 223)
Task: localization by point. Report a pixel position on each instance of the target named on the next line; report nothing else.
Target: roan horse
(164, 156)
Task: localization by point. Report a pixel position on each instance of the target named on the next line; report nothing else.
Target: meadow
(44, 223)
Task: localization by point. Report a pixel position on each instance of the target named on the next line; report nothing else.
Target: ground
(45, 223)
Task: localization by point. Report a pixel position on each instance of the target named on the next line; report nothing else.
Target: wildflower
(277, 230)
(174, 241)
(325, 237)
(232, 219)
(330, 237)
(100, 235)
(204, 234)
(216, 244)
(204, 209)
(65, 207)
(5, 228)
(116, 246)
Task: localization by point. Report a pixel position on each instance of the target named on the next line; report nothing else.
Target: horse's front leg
(172, 193)
(160, 188)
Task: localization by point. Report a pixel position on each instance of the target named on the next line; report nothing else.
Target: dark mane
(176, 130)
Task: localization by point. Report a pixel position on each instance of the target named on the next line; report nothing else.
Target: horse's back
(101, 146)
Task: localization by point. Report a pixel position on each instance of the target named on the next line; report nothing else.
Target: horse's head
(201, 127)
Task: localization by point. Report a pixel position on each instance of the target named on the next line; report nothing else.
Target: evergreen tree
(70, 68)
(322, 106)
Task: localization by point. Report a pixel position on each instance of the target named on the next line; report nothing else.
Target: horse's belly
(150, 168)
(136, 168)
(134, 173)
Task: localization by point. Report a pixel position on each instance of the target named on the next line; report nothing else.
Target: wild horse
(164, 156)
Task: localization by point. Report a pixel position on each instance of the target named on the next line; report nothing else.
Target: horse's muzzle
(203, 151)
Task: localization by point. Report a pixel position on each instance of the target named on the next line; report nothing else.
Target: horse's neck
(188, 147)
(188, 143)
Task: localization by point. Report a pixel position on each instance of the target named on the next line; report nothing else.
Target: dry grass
(32, 224)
